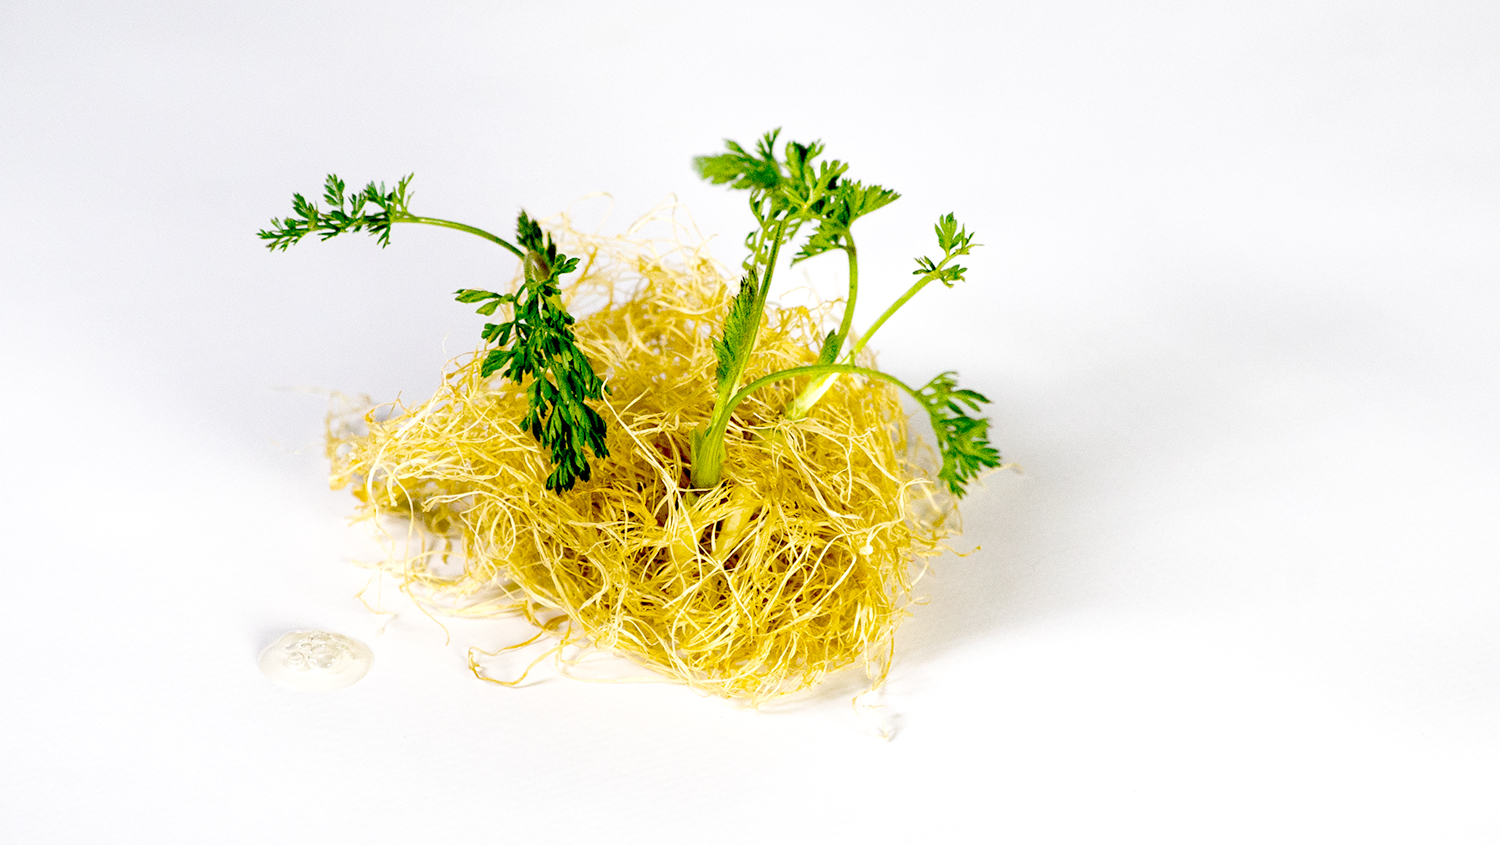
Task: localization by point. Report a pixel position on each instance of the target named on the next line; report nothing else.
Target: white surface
(1234, 304)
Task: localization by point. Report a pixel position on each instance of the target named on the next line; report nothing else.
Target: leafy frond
(740, 324)
(858, 199)
(802, 169)
(799, 189)
(344, 214)
(848, 202)
(538, 344)
(954, 240)
(766, 146)
(830, 350)
(963, 441)
(741, 170)
(824, 238)
(535, 343)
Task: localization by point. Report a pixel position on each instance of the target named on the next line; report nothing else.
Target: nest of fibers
(799, 563)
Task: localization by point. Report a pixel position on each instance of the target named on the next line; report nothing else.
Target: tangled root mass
(800, 562)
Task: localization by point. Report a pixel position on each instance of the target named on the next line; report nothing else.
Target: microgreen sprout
(785, 194)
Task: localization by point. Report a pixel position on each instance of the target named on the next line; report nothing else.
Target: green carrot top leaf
(372, 209)
(787, 192)
(732, 348)
(537, 343)
(795, 188)
(954, 240)
(963, 441)
(848, 202)
(741, 170)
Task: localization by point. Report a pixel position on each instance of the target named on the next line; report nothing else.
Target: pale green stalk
(462, 227)
(708, 454)
(803, 404)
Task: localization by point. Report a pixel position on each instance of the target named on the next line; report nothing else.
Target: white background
(1234, 305)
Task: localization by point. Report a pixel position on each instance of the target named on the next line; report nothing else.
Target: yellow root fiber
(801, 562)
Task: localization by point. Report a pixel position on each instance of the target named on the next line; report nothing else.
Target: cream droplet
(316, 661)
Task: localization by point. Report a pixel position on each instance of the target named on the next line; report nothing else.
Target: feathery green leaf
(963, 441)
(536, 343)
(733, 346)
(545, 351)
(954, 240)
(344, 214)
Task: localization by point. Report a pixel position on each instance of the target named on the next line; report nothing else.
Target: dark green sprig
(963, 441)
(344, 214)
(538, 343)
(810, 183)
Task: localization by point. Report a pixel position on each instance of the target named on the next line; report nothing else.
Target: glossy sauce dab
(315, 661)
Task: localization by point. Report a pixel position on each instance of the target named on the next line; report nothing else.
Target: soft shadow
(1106, 441)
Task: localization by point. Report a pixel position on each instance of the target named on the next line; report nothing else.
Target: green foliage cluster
(537, 343)
(535, 346)
(963, 441)
(786, 194)
(386, 207)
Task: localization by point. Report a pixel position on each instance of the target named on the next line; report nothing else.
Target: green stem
(708, 451)
(803, 404)
(765, 284)
(848, 322)
(819, 369)
(799, 407)
(718, 425)
(895, 306)
(462, 227)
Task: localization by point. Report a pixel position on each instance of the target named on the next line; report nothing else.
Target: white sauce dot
(316, 661)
